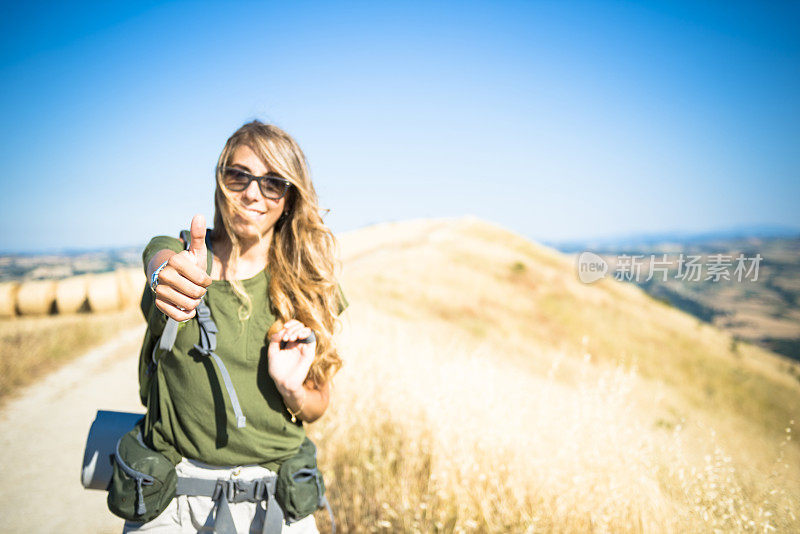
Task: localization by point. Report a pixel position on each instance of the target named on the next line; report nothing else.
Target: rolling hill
(486, 388)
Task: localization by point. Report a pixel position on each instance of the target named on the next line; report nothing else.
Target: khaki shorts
(190, 514)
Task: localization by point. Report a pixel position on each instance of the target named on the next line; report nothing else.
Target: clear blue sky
(560, 120)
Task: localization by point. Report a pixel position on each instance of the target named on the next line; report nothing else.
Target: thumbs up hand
(197, 246)
(183, 280)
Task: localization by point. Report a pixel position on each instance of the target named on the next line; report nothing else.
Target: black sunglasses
(271, 186)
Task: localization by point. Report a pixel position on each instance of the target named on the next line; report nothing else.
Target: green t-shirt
(189, 413)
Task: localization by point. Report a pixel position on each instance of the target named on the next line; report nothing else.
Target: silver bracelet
(154, 277)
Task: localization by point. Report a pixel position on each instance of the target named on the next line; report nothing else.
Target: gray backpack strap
(207, 345)
(208, 338)
(330, 514)
(169, 335)
(223, 492)
(273, 521)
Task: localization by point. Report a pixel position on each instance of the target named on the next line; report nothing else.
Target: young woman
(266, 272)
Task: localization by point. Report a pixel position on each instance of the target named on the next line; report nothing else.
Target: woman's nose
(253, 192)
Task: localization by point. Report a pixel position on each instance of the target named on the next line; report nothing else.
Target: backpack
(142, 482)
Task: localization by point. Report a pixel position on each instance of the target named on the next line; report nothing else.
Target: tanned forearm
(311, 401)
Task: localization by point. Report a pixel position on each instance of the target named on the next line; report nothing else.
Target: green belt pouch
(143, 482)
(300, 490)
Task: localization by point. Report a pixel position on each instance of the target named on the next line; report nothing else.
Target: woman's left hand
(289, 366)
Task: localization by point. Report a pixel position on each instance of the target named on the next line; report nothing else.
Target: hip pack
(141, 482)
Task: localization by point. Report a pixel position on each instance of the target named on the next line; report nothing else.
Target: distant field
(765, 311)
(65, 264)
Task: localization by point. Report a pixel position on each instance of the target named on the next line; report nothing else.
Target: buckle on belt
(226, 488)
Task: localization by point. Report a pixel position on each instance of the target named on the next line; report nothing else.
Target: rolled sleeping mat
(8, 299)
(36, 297)
(71, 294)
(104, 434)
(103, 292)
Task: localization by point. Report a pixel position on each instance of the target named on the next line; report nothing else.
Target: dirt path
(42, 437)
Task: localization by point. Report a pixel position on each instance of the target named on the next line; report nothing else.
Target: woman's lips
(253, 212)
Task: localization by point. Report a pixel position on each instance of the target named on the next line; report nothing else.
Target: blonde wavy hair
(301, 258)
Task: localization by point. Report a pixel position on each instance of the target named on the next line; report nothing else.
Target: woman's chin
(246, 230)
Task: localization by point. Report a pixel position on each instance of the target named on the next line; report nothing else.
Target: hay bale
(131, 283)
(8, 299)
(36, 297)
(139, 281)
(71, 294)
(103, 292)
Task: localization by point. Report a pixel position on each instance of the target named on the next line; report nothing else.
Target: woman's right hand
(183, 280)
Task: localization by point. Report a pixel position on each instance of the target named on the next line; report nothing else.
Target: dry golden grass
(33, 346)
(485, 389)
